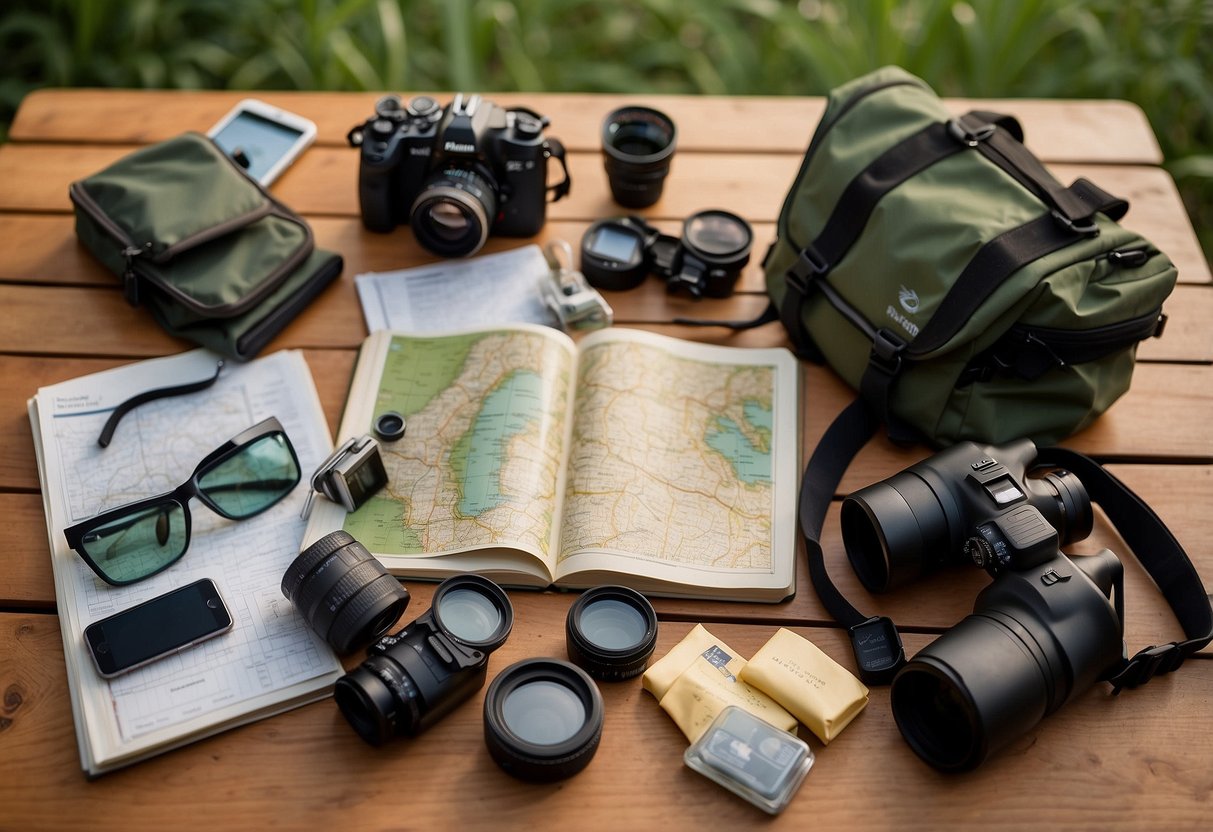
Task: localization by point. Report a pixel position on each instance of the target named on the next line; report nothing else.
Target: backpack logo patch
(908, 299)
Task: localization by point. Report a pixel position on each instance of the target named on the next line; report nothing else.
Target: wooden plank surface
(1135, 768)
(1056, 130)
(1135, 761)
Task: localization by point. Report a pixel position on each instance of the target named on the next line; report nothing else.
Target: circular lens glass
(717, 233)
(612, 624)
(638, 135)
(934, 717)
(543, 712)
(454, 211)
(468, 615)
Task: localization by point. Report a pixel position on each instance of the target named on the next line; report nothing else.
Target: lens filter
(474, 611)
(611, 631)
(543, 719)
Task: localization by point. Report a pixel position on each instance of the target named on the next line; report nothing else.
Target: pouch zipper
(251, 342)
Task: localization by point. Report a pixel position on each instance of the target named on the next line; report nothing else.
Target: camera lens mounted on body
(413, 678)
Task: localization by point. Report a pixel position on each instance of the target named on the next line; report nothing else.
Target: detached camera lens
(389, 426)
(611, 632)
(637, 145)
(343, 592)
(543, 719)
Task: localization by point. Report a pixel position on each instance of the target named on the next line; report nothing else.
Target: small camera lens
(718, 234)
(474, 611)
(390, 426)
(637, 145)
(611, 632)
(343, 592)
(543, 719)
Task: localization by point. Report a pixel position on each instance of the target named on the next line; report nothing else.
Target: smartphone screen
(264, 141)
(162, 626)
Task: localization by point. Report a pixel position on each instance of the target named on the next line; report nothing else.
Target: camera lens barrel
(637, 145)
(610, 632)
(343, 592)
(543, 719)
(454, 211)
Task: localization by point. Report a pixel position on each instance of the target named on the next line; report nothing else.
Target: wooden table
(1144, 759)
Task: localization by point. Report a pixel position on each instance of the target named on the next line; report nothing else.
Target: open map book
(629, 458)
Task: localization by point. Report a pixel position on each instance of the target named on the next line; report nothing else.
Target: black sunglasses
(245, 476)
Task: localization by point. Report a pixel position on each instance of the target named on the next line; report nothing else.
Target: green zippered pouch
(214, 257)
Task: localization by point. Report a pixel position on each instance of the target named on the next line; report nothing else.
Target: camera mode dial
(987, 550)
(422, 106)
(388, 107)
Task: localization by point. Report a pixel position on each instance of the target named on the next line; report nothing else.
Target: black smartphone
(160, 627)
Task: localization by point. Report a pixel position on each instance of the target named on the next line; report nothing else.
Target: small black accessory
(455, 173)
(637, 146)
(542, 719)
(241, 478)
(715, 246)
(610, 632)
(415, 677)
(350, 476)
(390, 426)
(107, 432)
(343, 592)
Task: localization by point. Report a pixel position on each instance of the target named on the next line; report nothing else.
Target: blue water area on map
(507, 411)
(759, 415)
(751, 463)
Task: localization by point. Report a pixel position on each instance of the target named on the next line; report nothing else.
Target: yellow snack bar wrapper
(697, 680)
(794, 672)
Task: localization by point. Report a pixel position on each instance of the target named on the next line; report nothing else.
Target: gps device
(165, 625)
(261, 138)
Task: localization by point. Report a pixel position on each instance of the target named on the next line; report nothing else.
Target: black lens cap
(611, 632)
(389, 426)
(542, 719)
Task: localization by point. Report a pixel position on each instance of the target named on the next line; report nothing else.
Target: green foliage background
(1158, 53)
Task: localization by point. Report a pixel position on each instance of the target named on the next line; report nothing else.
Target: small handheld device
(574, 301)
(350, 476)
(262, 139)
(165, 625)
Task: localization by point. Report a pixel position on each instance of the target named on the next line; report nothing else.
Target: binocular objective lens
(543, 712)
(610, 632)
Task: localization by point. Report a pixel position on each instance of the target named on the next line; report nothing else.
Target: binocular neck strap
(1162, 556)
(874, 639)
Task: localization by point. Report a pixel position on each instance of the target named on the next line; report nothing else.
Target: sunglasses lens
(138, 544)
(253, 479)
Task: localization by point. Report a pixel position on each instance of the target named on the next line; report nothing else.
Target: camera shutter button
(527, 127)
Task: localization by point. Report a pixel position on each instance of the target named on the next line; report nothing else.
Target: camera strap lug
(1149, 662)
(879, 653)
(553, 149)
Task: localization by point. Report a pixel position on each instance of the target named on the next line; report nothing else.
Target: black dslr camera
(457, 173)
(413, 678)
(1046, 629)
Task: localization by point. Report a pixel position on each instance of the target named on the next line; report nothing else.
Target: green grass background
(1157, 53)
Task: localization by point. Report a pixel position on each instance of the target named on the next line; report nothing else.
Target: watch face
(365, 477)
(612, 243)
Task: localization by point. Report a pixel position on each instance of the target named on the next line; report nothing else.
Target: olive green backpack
(935, 264)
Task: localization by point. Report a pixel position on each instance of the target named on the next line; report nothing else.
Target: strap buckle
(886, 352)
(809, 265)
(970, 137)
(1086, 227)
(879, 653)
(1149, 662)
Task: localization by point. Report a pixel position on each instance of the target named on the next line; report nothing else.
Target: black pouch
(216, 259)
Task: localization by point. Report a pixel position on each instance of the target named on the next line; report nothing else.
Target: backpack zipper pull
(1129, 258)
(130, 280)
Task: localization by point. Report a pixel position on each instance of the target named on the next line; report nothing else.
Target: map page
(664, 464)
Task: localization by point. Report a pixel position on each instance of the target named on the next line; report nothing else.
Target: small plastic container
(751, 758)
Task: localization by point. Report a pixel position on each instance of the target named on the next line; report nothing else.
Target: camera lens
(637, 145)
(1070, 509)
(454, 211)
(474, 610)
(611, 631)
(719, 236)
(343, 592)
(389, 426)
(543, 719)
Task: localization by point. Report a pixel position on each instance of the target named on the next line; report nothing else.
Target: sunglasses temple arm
(107, 432)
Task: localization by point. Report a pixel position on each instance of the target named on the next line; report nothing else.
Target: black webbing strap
(1162, 556)
(878, 650)
(899, 163)
(875, 641)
